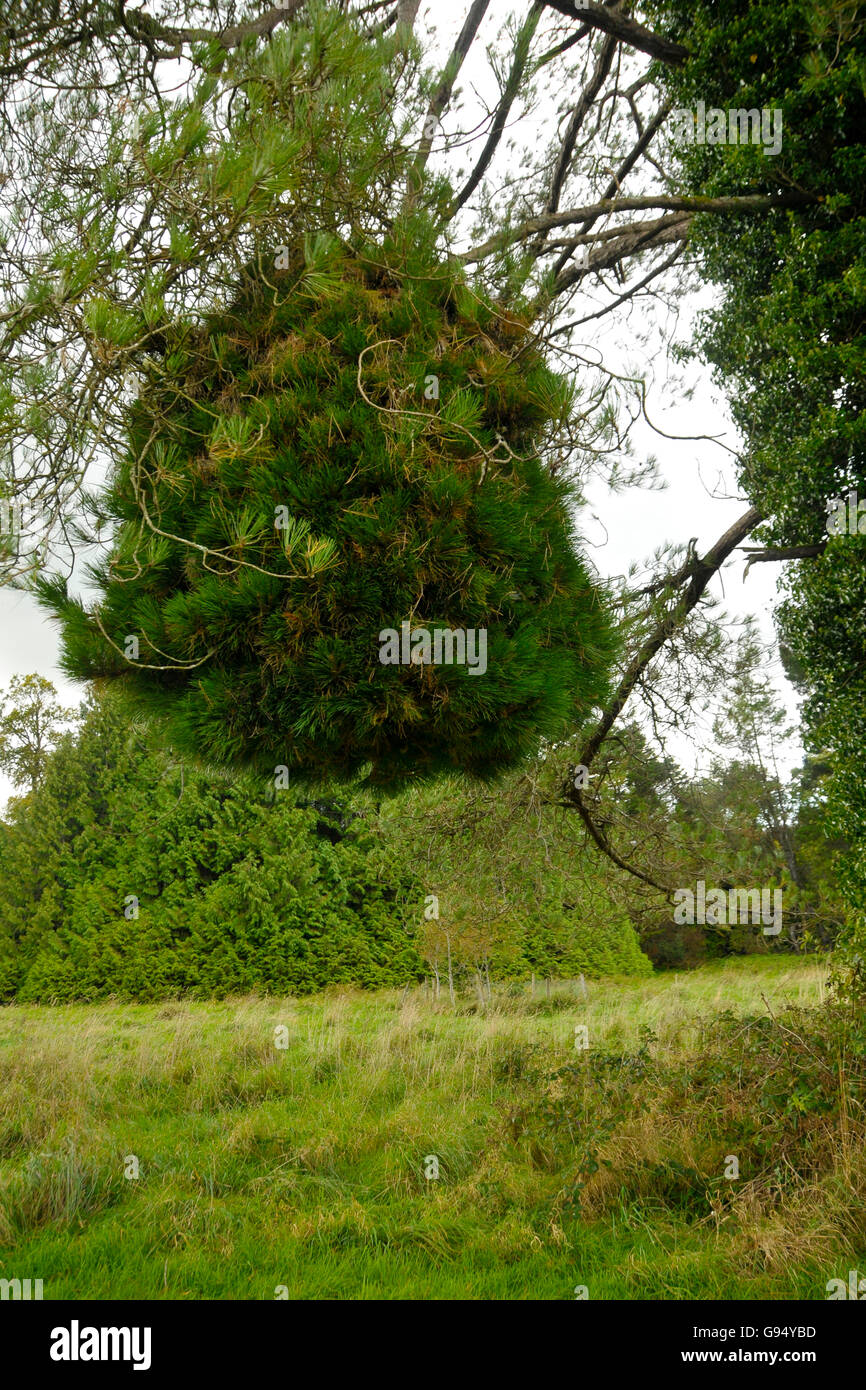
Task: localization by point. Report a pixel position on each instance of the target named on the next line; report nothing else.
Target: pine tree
(353, 445)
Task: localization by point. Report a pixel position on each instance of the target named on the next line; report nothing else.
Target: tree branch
(790, 552)
(578, 116)
(442, 94)
(575, 800)
(758, 556)
(628, 31)
(641, 237)
(656, 271)
(698, 573)
(407, 11)
(143, 25)
(743, 203)
(640, 147)
(512, 86)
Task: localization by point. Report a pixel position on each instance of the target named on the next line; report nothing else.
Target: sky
(700, 498)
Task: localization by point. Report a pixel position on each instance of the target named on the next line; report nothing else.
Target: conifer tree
(352, 448)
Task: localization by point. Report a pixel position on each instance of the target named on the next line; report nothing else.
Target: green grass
(304, 1167)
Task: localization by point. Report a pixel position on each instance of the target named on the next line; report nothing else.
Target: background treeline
(127, 872)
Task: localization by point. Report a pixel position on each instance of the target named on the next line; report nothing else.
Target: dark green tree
(351, 449)
(787, 338)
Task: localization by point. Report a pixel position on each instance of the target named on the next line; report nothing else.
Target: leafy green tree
(129, 196)
(134, 217)
(787, 338)
(30, 721)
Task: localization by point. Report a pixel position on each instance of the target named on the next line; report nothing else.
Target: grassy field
(303, 1166)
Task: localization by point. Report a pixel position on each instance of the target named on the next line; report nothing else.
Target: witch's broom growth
(347, 450)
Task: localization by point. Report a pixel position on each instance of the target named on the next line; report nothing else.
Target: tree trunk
(407, 11)
(450, 972)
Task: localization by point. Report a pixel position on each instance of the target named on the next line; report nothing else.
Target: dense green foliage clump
(130, 872)
(344, 450)
(824, 620)
(126, 875)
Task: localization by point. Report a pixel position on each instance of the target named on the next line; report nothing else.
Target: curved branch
(698, 573)
(139, 24)
(576, 801)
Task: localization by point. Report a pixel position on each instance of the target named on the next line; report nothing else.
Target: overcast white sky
(699, 477)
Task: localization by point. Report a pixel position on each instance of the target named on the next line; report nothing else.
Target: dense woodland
(131, 872)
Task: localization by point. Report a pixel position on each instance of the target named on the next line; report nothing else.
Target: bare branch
(138, 24)
(742, 203)
(575, 801)
(625, 168)
(654, 274)
(442, 95)
(614, 22)
(698, 573)
(407, 12)
(638, 237)
(758, 556)
(564, 46)
(578, 116)
(512, 86)
(790, 552)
